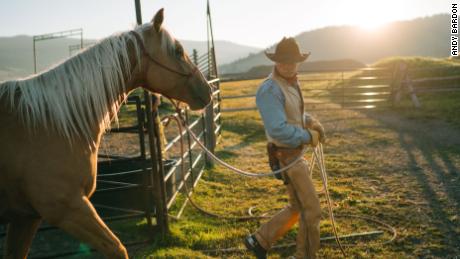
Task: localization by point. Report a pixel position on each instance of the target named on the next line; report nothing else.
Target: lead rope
(223, 163)
(187, 191)
(318, 155)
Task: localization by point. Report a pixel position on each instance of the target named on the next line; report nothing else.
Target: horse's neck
(132, 80)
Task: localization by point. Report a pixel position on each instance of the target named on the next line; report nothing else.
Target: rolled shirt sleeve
(270, 102)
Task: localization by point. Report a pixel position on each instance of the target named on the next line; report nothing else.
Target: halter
(146, 54)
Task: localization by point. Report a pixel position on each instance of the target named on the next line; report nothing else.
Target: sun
(368, 16)
(371, 26)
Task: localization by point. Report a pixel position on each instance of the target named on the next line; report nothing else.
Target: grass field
(399, 165)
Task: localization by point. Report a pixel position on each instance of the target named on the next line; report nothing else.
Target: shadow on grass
(430, 162)
(449, 181)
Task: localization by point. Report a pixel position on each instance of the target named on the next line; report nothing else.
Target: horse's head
(169, 70)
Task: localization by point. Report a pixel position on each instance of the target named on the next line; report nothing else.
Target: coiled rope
(318, 157)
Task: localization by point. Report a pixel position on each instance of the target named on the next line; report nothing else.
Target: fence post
(159, 188)
(140, 111)
(35, 56)
(160, 158)
(408, 84)
(209, 114)
(190, 153)
(209, 129)
(343, 92)
(195, 57)
(392, 85)
(156, 178)
(399, 81)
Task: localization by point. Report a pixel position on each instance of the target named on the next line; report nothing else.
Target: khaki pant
(303, 207)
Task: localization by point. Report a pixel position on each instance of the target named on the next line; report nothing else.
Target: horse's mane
(78, 92)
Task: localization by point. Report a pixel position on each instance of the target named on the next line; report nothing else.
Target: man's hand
(320, 129)
(314, 137)
(314, 124)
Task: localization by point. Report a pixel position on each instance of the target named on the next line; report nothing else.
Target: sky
(258, 23)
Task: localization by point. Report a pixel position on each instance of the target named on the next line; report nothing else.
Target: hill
(426, 36)
(309, 66)
(16, 53)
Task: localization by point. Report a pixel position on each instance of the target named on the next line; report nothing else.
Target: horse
(51, 126)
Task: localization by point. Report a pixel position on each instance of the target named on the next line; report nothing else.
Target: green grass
(442, 105)
(435, 106)
(451, 66)
(376, 169)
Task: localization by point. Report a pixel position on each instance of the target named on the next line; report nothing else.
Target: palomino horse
(51, 126)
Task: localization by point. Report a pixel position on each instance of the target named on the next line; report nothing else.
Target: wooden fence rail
(364, 90)
(352, 92)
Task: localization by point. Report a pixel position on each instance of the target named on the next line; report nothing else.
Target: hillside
(16, 54)
(226, 51)
(419, 37)
(309, 66)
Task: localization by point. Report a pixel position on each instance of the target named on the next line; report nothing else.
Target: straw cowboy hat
(287, 51)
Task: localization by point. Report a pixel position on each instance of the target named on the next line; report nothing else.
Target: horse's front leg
(82, 221)
(19, 237)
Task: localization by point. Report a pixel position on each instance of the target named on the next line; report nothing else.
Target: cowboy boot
(253, 245)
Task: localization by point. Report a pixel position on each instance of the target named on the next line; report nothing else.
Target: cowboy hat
(287, 51)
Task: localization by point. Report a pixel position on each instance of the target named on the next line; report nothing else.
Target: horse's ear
(158, 20)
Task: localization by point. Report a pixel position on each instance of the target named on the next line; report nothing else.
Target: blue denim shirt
(270, 102)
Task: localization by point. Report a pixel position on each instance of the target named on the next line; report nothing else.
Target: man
(288, 129)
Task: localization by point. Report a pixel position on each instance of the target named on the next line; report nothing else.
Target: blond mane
(81, 91)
